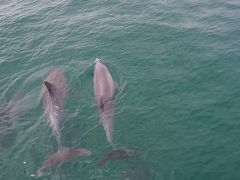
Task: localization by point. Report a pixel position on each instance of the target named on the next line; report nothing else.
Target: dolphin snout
(97, 60)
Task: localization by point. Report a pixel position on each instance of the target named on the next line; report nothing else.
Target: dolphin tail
(64, 154)
(116, 154)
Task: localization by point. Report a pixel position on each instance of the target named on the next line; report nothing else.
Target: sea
(177, 68)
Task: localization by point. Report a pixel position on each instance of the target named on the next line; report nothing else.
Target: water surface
(177, 63)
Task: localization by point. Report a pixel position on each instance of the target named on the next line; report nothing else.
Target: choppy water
(177, 63)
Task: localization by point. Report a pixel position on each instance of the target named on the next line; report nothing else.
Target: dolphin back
(104, 90)
(55, 85)
(54, 92)
(104, 86)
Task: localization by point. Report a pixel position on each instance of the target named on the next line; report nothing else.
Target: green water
(177, 63)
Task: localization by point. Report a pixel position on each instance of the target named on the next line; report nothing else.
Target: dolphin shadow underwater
(10, 112)
(5, 126)
(53, 92)
(105, 90)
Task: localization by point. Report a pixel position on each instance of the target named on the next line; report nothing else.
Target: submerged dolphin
(11, 111)
(104, 90)
(54, 91)
(5, 126)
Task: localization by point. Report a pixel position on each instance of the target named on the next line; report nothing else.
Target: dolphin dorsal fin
(101, 105)
(102, 102)
(50, 88)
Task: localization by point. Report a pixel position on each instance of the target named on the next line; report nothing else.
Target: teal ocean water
(177, 64)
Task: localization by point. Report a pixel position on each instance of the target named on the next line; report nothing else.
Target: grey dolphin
(104, 90)
(54, 92)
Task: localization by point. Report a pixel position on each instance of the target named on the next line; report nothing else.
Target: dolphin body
(54, 92)
(105, 90)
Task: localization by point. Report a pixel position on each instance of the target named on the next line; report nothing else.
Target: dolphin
(54, 92)
(104, 90)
